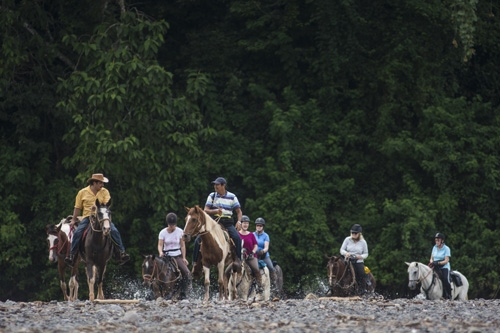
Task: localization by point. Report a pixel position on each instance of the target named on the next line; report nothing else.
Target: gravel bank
(307, 315)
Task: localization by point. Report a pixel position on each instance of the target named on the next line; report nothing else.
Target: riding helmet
(171, 218)
(356, 228)
(245, 218)
(260, 220)
(439, 235)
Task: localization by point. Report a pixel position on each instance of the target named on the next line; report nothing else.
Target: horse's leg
(100, 293)
(73, 282)
(90, 279)
(61, 267)
(220, 280)
(206, 272)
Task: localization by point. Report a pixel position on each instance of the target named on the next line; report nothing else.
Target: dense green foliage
(320, 114)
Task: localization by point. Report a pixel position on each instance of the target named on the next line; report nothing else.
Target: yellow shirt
(85, 199)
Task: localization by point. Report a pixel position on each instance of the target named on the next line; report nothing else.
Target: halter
(94, 217)
(152, 277)
(337, 281)
(419, 280)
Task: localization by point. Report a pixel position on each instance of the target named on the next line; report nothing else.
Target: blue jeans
(77, 236)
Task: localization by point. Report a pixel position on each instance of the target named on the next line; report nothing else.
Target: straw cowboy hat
(98, 176)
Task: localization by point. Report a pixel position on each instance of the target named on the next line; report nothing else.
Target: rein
(419, 280)
(337, 281)
(152, 277)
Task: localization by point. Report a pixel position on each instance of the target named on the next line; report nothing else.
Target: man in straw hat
(84, 201)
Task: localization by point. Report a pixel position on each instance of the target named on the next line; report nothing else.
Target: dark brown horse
(161, 275)
(97, 247)
(59, 246)
(342, 278)
(215, 248)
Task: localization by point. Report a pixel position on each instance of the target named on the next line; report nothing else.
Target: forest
(320, 114)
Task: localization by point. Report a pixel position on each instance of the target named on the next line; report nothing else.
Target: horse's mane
(210, 224)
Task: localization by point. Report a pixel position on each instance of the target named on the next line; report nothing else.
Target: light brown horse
(97, 248)
(342, 278)
(59, 246)
(215, 247)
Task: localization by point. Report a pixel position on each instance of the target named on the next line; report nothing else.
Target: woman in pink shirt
(250, 247)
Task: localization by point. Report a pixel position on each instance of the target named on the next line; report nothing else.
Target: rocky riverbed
(312, 314)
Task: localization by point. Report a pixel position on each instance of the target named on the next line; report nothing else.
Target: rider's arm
(445, 261)
(160, 247)
(266, 246)
(183, 249)
(76, 212)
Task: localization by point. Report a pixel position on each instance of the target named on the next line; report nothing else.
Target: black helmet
(439, 235)
(356, 228)
(260, 220)
(245, 218)
(171, 218)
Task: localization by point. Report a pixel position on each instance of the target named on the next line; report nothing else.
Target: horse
(215, 248)
(246, 285)
(59, 246)
(432, 286)
(97, 248)
(161, 274)
(342, 278)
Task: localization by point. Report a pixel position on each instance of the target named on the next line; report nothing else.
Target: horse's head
(335, 268)
(148, 270)
(101, 217)
(413, 275)
(52, 240)
(195, 223)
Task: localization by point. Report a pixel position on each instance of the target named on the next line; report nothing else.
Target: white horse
(246, 285)
(432, 287)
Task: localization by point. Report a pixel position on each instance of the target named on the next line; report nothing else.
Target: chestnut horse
(162, 276)
(215, 247)
(59, 246)
(342, 278)
(97, 247)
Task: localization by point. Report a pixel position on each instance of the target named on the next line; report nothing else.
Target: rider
(251, 246)
(440, 261)
(355, 247)
(220, 205)
(263, 243)
(170, 243)
(85, 200)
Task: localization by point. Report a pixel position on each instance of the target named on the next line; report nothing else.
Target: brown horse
(97, 248)
(161, 275)
(342, 278)
(215, 247)
(59, 246)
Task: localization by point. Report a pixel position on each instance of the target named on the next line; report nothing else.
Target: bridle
(56, 242)
(95, 218)
(337, 281)
(197, 229)
(153, 277)
(419, 280)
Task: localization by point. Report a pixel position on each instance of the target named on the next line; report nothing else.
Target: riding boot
(70, 260)
(124, 257)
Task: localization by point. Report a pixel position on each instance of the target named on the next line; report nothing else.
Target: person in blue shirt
(263, 246)
(440, 261)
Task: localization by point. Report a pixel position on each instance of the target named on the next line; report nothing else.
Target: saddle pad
(456, 279)
(262, 264)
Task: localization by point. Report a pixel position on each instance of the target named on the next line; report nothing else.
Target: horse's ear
(187, 208)
(407, 263)
(97, 203)
(47, 228)
(108, 204)
(326, 256)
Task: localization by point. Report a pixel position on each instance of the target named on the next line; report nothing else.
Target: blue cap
(219, 181)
